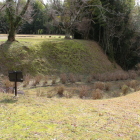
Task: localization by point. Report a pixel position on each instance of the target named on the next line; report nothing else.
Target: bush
(97, 94)
(79, 78)
(132, 74)
(26, 80)
(99, 85)
(133, 84)
(89, 79)
(125, 89)
(83, 91)
(72, 78)
(107, 86)
(45, 81)
(115, 94)
(68, 94)
(8, 85)
(50, 94)
(60, 91)
(63, 78)
(37, 80)
(54, 80)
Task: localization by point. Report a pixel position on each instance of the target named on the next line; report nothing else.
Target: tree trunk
(67, 34)
(12, 33)
(14, 18)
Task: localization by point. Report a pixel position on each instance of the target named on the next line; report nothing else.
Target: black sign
(15, 76)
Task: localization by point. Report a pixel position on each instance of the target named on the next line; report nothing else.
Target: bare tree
(17, 11)
(2, 7)
(67, 15)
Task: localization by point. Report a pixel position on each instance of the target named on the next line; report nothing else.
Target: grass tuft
(125, 89)
(63, 78)
(97, 94)
(99, 85)
(60, 91)
(84, 90)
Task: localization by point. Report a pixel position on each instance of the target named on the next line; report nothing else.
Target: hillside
(42, 113)
(30, 117)
(55, 55)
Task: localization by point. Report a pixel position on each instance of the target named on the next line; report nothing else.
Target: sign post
(15, 76)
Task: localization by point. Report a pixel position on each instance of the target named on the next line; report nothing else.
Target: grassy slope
(32, 55)
(35, 118)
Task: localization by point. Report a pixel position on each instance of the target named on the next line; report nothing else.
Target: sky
(137, 1)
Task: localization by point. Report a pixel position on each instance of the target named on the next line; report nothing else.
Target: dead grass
(8, 85)
(72, 78)
(45, 80)
(54, 78)
(69, 93)
(107, 86)
(84, 91)
(132, 74)
(97, 94)
(89, 79)
(37, 79)
(26, 81)
(63, 78)
(60, 91)
(79, 78)
(134, 84)
(32, 118)
(125, 89)
(99, 85)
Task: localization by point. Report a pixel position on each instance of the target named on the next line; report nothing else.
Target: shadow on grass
(8, 101)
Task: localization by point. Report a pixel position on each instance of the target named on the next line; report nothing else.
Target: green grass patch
(54, 55)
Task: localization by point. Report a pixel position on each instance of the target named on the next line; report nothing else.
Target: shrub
(54, 80)
(63, 78)
(72, 78)
(97, 94)
(83, 91)
(115, 94)
(68, 94)
(50, 94)
(133, 84)
(125, 89)
(79, 78)
(107, 86)
(103, 77)
(99, 85)
(8, 85)
(60, 91)
(37, 80)
(124, 76)
(89, 79)
(132, 74)
(26, 80)
(112, 77)
(45, 80)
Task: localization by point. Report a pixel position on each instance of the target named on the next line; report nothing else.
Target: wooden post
(16, 85)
